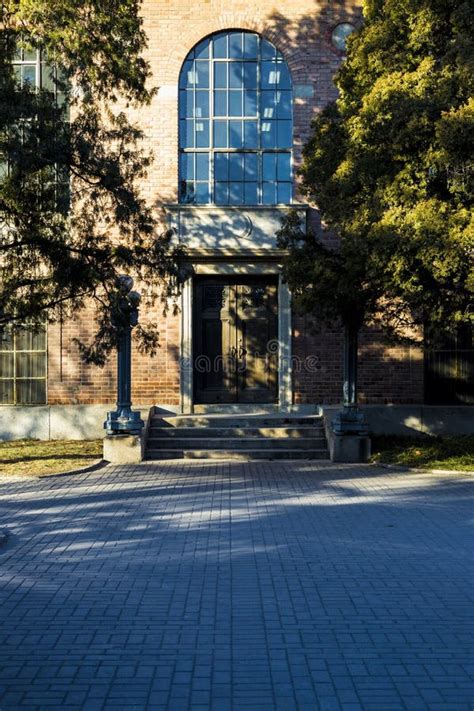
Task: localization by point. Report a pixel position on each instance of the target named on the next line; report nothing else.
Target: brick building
(238, 85)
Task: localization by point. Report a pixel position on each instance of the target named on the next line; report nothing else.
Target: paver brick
(237, 586)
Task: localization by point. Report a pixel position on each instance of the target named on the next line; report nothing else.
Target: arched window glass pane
(236, 122)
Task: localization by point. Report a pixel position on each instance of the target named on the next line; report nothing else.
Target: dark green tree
(71, 215)
(390, 166)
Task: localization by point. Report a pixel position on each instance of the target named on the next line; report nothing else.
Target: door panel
(257, 342)
(235, 341)
(214, 343)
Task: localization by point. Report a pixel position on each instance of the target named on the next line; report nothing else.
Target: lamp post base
(123, 448)
(123, 421)
(349, 449)
(350, 421)
(348, 436)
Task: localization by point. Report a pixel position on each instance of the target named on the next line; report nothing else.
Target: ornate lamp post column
(350, 420)
(124, 420)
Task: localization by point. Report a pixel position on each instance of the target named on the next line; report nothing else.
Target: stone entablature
(245, 228)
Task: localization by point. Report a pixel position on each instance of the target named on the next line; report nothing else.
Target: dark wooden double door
(235, 346)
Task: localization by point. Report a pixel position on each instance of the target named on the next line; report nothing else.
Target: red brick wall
(301, 29)
(388, 373)
(154, 378)
(317, 362)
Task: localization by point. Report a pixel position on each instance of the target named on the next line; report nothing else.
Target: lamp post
(124, 315)
(350, 420)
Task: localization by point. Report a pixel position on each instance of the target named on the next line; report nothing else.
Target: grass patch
(37, 458)
(425, 452)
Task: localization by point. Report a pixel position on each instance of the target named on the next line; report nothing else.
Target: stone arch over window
(235, 122)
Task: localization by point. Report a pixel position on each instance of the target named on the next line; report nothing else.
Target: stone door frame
(285, 394)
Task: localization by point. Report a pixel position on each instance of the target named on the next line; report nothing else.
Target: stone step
(240, 408)
(240, 455)
(243, 437)
(203, 442)
(226, 421)
(216, 432)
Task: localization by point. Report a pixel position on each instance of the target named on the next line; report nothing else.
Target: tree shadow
(151, 567)
(46, 457)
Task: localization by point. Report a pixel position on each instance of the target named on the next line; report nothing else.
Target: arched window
(235, 121)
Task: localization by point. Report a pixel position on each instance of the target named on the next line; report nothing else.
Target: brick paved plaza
(237, 586)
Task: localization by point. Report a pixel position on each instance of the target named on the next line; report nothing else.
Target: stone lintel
(225, 229)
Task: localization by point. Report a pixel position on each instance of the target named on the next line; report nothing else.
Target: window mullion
(211, 123)
(194, 120)
(227, 103)
(38, 70)
(259, 126)
(14, 367)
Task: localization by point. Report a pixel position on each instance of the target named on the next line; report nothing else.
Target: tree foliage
(71, 215)
(390, 165)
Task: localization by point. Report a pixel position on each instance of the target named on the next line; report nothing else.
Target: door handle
(267, 363)
(242, 350)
